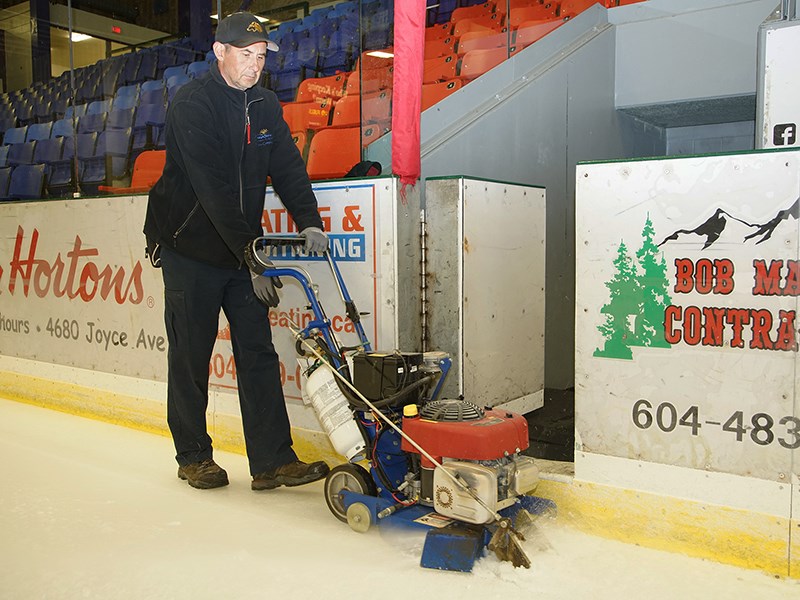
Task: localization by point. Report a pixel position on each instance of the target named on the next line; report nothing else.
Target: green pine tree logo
(639, 293)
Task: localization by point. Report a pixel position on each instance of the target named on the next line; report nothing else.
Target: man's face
(241, 67)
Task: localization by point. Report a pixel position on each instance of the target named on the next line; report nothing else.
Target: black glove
(316, 240)
(264, 287)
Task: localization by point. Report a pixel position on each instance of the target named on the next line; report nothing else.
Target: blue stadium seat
(130, 93)
(48, 151)
(110, 161)
(148, 126)
(131, 67)
(15, 135)
(153, 91)
(336, 61)
(98, 106)
(92, 122)
(7, 122)
(27, 182)
(58, 107)
(62, 128)
(120, 118)
(174, 70)
(174, 83)
(78, 110)
(4, 155)
(21, 154)
(197, 69)
(43, 110)
(38, 131)
(167, 57)
(5, 179)
(60, 178)
(24, 113)
(109, 82)
(148, 67)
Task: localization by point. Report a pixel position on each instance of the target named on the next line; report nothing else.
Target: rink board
(82, 305)
(687, 278)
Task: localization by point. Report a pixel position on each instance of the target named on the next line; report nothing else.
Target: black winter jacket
(209, 201)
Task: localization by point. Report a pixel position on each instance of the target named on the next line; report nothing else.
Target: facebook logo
(784, 134)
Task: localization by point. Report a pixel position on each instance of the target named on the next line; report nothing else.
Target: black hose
(358, 404)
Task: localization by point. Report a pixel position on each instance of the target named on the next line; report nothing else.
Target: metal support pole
(788, 10)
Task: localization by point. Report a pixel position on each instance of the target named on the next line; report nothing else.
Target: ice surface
(92, 510)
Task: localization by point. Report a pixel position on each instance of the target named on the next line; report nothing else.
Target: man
(224, 137)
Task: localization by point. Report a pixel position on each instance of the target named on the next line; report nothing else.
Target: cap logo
(255, 26)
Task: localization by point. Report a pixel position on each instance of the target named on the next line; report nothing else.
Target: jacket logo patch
(255, 26)
(264, 138)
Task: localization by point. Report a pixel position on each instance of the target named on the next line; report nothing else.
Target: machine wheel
(350, 477)
(358, 517)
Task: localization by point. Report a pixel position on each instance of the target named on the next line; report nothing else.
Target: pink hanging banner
(409, 48)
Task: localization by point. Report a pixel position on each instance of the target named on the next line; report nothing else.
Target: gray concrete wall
(530, 121)
(674, 50)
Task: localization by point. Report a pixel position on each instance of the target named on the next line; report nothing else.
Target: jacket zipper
(246, 143)
(183, 225)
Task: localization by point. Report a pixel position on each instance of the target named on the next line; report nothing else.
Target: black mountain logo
(713, 228)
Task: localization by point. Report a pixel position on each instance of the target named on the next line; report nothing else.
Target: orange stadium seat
(376, 107)
(440, 68)
(477, 10)
(531, 13)
(333, 152)
(476, 62)
(372, 132)
(438, 32)
(332, 86)
(571, 8)
(482, 40)
(438, 48)
(346, 112)
(530, 31)
(433, 92)
(493, 22)
(302, 116)
(370, 80)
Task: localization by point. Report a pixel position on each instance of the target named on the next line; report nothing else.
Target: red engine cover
(497, 434)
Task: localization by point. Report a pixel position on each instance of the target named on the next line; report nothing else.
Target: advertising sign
(76, 288)
(359, 217)
(686, 312)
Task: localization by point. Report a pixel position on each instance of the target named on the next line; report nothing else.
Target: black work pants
(194, 294)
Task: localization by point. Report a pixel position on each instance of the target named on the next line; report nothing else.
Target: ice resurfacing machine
(445, 464)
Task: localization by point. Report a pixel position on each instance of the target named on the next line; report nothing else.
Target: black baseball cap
(242, 29)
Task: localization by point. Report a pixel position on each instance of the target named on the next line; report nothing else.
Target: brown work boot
(291, 474)
(204, 475)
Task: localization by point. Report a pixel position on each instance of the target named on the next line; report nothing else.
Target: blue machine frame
(452, 546)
